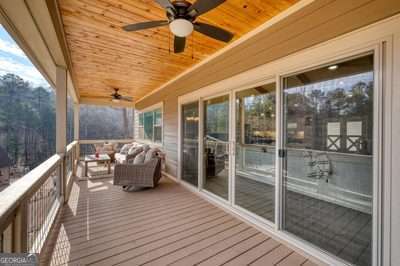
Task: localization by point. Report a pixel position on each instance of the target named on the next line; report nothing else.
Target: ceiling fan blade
(203, 6)
(100, 97)
(166, 4)
(126, 98)
(179, 44)
(213, 31)
(145, 25)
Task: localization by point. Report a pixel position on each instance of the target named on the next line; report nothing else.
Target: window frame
(141, 125)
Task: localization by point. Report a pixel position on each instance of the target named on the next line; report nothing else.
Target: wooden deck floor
(168, 225)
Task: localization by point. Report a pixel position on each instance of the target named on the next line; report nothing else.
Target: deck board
(168, 225)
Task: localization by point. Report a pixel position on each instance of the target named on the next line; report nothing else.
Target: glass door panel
(216, 146)
(190, 142)
(255, 150)
(328, 167)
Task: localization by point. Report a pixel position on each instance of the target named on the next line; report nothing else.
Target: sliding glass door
(216, 146)
(328, 168)
(190, 143)
(255, 150)
(325, 118)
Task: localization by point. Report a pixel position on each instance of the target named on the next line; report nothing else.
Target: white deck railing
(29, 206)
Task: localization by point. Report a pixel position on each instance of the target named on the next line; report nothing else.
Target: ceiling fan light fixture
(181, 27)
(115, 100)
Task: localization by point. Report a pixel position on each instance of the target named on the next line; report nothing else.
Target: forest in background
(28, 122)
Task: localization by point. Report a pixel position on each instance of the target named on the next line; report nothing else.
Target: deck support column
(76, 131)
(61, 125)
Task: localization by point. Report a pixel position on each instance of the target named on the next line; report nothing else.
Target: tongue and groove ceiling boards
(104, 56)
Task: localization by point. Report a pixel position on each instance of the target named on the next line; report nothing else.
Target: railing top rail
(71, 146)
(94, 141)
(14, 195)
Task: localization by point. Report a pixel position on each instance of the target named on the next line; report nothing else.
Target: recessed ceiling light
(333, 67)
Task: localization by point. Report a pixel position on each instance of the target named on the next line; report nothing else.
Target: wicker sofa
(138, 175)
(133, 173)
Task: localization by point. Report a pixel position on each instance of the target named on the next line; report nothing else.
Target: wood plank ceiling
(105, 57)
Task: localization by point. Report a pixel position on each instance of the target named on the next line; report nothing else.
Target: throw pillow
(125, 149)
(139, 159)
(133, 151)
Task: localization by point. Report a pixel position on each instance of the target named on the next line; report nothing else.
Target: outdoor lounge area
(200, 132)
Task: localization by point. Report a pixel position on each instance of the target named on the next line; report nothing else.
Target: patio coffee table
(103, 158)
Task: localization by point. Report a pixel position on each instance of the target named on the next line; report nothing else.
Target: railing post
(61, 123)
(20, 229)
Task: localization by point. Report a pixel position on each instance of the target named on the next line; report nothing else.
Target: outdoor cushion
(120, 158)
(146, 147)
(135, 150)
(125, 148)
(150, 154)
(139, 159)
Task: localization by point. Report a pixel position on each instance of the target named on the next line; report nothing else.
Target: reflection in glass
(190, 142)
(255, 150)
(328, 120)
(216, 146)
(148, 125)
(158, 125)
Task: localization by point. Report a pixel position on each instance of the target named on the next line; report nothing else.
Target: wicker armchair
(138, 175)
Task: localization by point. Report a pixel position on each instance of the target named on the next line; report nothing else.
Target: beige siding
(171, 134)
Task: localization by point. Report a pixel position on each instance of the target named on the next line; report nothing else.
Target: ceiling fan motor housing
(181, 8)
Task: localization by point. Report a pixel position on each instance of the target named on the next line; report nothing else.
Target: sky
(13, 60)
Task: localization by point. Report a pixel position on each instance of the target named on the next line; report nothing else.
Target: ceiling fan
(181, 19)
(116, 97)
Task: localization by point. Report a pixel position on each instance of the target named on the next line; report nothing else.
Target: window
(150, 125)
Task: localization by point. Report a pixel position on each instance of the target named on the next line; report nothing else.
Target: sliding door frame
(265, 81)
(201, 139)
(180, 139)
(377, 51)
